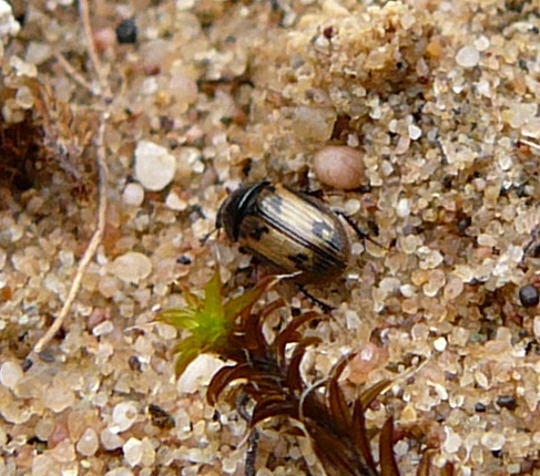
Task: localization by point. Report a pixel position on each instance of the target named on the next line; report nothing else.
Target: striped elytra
(288, 230)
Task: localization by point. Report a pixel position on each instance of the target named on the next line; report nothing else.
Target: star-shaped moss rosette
(211, 319)
(232, 329)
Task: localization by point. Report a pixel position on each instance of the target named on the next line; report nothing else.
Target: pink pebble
(340, 167)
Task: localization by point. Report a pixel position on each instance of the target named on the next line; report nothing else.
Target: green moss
(210, 320)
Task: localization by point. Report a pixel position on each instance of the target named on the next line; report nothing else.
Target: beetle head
(236, 206)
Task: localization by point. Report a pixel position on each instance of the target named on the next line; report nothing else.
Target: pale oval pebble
(154, 165)
(340, 167)
(132, 267)
(133, 194)
(468, 56)
(10, 374)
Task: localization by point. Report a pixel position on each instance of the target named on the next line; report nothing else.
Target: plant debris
(235, 332)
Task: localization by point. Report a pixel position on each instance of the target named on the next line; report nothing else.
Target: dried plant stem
(531, 144)
(101, 159)
(73, 74)
(92, 245)
(94, 57)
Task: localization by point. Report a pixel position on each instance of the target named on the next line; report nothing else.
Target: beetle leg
(240, 277)
(318, 193)
(324, 306)
(361, 233)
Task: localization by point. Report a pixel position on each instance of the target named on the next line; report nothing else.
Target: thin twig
(531, 144)
(91, 46)
(75, 75)
(92, 245)
(103, 171)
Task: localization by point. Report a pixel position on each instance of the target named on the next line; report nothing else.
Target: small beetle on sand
(289, 230)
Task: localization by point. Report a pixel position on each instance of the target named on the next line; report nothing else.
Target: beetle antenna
(204, 239)
(361, 233)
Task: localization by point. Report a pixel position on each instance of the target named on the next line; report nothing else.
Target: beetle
(290, 231)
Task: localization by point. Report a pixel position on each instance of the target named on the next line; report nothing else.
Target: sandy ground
(440, 97)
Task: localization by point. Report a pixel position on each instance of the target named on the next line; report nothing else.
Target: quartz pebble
(10, 374)
(468, 56)
(452, 442)
(44, 465)
(103, 328)
(440, 344)
(110, 440)
(352, 319)
(133, 194)
(119, 472)
(64, 451)
(199, 372)
(313, 123)
(88, 443)
(184, 89)
(493, 440)
(340, 167)
(154, 165)
(403, 208)
(414, 132)
(132, 267)
(133, 451)
(38, 52)
(148, 453)
(58, 398)
(184, 4)
(8, 24)
(123, 416)
(453, 288)
(369, 358)
(174, 202)
(536, 326)
(481, 43)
